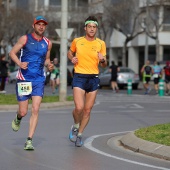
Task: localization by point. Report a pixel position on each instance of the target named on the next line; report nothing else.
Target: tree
(124, 16)
(16, 23)
(2, 25)
(154, 23)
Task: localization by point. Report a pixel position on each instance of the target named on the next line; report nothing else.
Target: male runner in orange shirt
(85, 53)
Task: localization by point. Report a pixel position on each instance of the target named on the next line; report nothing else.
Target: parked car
(123, 76)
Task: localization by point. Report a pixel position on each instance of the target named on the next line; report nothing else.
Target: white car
(124, 75)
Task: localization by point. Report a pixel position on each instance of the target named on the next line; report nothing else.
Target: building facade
(153, 43)
(153, 46)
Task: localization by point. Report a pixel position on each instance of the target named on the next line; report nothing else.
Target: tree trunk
(124, 54)
(157, 50)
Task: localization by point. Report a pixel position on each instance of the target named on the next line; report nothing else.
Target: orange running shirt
(86, 52)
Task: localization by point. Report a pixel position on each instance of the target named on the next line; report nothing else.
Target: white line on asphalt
(163, 110)
(88, 144)
(132, 111)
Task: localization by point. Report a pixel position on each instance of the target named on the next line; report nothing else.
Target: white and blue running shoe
(73, 134)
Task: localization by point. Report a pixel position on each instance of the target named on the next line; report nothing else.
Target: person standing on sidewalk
(157, 74)
(114, 69)
(3, 72)
(146, 72)
(166, 71)
(35, 53)
(54, 77)
(86, 53)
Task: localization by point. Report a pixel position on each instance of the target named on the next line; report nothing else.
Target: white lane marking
(163, 110)
(134, 106)
(130, 111)
(88, 145)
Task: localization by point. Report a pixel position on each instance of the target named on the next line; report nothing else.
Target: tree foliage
(17, 23)
(124, 16)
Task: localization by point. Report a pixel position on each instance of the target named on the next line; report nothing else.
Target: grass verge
(157, 134)
(10, 99)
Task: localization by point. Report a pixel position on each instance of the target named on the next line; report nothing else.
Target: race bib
(24, 88)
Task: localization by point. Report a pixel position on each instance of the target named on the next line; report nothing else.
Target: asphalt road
(112, 116)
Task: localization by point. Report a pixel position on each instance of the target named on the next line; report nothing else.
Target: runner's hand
(100, 56)
(24, 65)
(50, 66)
(74, 60)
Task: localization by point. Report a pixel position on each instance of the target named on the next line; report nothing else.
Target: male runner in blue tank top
(35, 54)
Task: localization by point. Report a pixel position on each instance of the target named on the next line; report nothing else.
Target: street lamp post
(63, 51)
(7, 14)
(146, 29)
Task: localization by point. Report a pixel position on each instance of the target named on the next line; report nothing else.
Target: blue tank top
(34, 52)
(157, 69)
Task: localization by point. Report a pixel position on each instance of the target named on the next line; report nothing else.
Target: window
(22, 4)
(55, 2)
(115, 1)
(82, 2)
(166, 15)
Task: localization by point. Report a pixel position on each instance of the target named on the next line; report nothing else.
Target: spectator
(114, 69)
(157, 73)
(166, 71)
(146, 72)
(54, 77)
(3, 72)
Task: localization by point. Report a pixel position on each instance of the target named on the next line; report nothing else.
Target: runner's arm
(13, 53)
(72, 57)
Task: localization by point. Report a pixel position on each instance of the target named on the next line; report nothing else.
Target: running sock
(19, 118)
(79, 134)
(76, 125)
(29, 138)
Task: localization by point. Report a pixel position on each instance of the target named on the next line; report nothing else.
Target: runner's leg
(36, 101)
(89, 102)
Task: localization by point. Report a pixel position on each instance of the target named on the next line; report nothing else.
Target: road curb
(43, 106)
(136, 144)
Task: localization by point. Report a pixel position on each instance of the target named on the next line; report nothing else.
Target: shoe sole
(78, 145)
(29, 149)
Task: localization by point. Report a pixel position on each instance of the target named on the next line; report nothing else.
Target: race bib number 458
(24, 88)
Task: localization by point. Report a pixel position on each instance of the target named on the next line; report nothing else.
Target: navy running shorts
(37, 90)
(87, 82)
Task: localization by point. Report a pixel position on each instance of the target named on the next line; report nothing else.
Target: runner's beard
(38, 33)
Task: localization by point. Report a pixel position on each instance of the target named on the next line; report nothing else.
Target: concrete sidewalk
(136, 144)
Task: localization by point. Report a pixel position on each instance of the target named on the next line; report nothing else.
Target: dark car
(124, 75)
